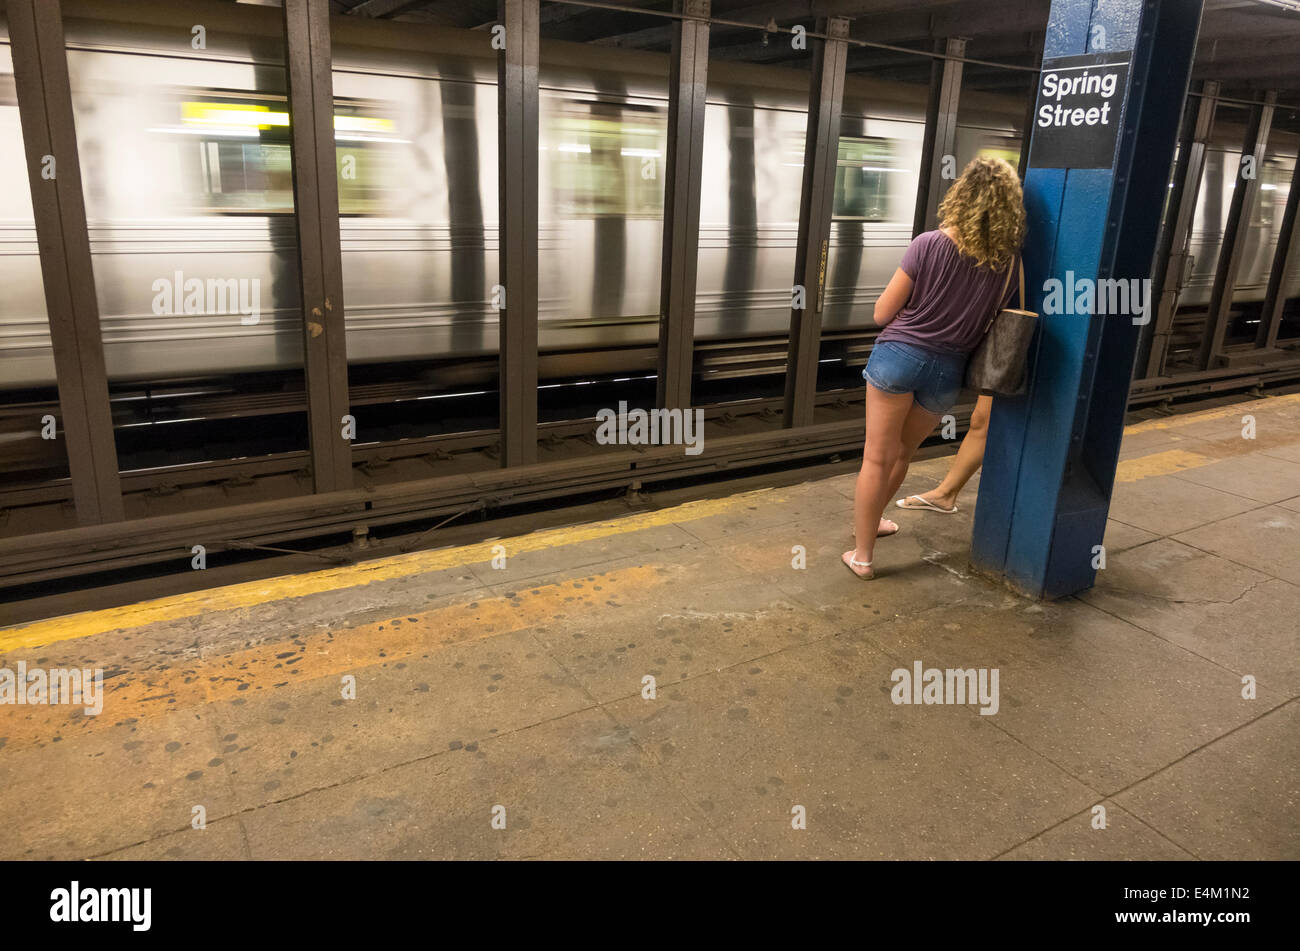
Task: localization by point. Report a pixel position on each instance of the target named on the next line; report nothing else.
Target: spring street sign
(1077, 114)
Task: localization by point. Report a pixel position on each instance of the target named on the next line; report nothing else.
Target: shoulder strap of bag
(997, 304)
(1022, 282)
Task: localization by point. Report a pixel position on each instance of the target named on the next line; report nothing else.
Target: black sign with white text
(1077, 113)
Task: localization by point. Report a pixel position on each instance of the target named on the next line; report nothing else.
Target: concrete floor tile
(309, 737)
(1124, 838)
(1289, 452)
(815, 727)
(762, 513)
(915, 569)
(682, 635)
(1102, 699)
(1266, 539)
(1256, 477)
(1218, 426)
(938, 532)
(1220, 610)
(107, 787)
(285, 618)
(1236, 798)
(1120, 536)
(573, 788)
(1146, 442)
(533, 565)
(221, 841)
(1164, 505)
(626, 581)
(1285, 407)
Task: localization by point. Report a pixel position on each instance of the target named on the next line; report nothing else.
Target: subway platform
(492, 700)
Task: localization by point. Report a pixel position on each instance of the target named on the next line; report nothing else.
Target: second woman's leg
(919, 424)
(970, 456)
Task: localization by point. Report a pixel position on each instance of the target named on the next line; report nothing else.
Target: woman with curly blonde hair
(934, 313)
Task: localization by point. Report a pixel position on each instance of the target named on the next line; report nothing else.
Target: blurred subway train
(187, 179)
(186, 171)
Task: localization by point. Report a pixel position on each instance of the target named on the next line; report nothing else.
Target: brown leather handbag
(997, 366)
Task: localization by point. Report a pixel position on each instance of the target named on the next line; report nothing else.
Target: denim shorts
(932, 377)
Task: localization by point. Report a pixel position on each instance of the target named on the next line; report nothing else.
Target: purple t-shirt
(952, 298)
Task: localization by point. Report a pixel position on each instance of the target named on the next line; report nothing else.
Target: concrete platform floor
(518, 690)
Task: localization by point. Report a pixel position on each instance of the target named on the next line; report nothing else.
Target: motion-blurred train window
(241, 153)
(608, 165)
(245, 164)
(366, 144)
(864, 176)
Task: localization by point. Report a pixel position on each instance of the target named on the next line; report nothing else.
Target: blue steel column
(1049, 467)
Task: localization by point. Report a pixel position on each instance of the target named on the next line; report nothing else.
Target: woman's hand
(891, 301)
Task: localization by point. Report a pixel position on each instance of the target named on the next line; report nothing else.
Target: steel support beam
(1022, 166)
(687, 85)
(1236, 231)
(1285, 259)
(1094, 197)
(316, 206)
(1170, 266)
(54, 173)
(517, 229)
(816, 201)
(940, 134)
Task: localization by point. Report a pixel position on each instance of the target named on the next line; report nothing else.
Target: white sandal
(854, 563)
(925, 504)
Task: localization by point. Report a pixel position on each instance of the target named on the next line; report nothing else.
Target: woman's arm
(889, 303)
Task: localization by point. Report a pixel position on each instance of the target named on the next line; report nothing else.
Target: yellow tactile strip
(1224, 412)
(252, 593)
(1169, 461)
(278, 664)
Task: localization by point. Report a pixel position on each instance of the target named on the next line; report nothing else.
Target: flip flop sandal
(854, 563)
(854, 534)
(924, 504)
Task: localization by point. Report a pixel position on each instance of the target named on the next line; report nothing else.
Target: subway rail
(187, 171)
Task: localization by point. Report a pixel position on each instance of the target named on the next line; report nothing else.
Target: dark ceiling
(1251, 45)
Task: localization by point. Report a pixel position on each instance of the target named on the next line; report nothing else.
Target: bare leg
(919, 424)
(970, 456)
(893, 421)
(885, 527)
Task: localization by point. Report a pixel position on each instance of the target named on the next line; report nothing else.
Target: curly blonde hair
(986, 209)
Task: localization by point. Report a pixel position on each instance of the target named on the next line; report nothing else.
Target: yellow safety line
(251, 593)
(1238, 409)
(265, 669)
(1160, 463)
